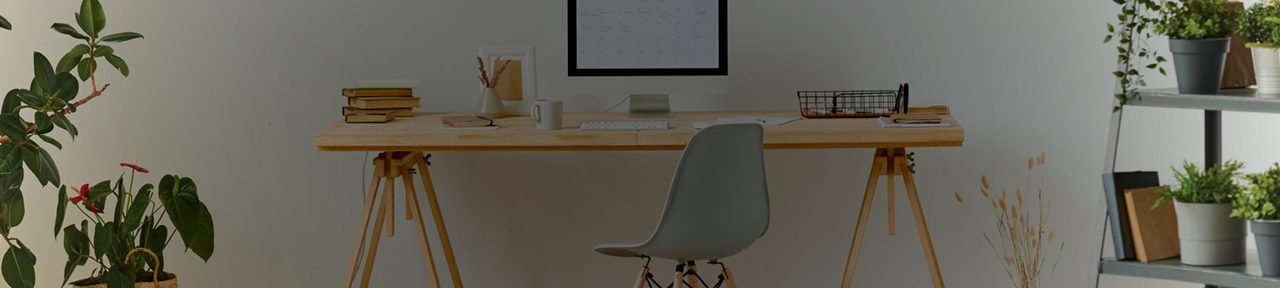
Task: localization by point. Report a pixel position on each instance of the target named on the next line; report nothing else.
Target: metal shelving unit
(1237, 276)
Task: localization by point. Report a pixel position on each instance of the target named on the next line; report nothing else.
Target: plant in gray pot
(1199, 32)
(1259, 207)
(1207, 234)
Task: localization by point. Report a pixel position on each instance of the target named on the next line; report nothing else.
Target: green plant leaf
(14, 211)
(70, 31)
(32, 158)
(65, 124)
(155, 242)
(4, 23)
(1108, 39)
(137, 209)
(189, 216)
(61, 210)
(119, 277)
(98, 193)
(14, 127)
(118, 63)
(92, 18)
(101, 239)
(103, 50)
(72, 58)
(83, 68)
(19, 267)
(43, 168)
(31, 99)
(11, 101)
(42, 121)
(53, 142)
(68, 87)
(11, 180)
(44, 72)
(121, 37)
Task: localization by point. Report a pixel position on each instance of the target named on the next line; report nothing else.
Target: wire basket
(853, 103)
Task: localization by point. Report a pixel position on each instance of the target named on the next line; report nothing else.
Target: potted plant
(1203, 201)
(1199, 32)
(1261, 30)
(1137, 19)
(47, 104)
(1259, 207)
(134, 225)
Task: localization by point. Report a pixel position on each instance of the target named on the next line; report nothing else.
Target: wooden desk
(404, 139)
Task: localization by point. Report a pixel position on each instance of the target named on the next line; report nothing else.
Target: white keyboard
(621, 125)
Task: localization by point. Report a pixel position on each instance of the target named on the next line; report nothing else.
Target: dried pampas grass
(1022, 243)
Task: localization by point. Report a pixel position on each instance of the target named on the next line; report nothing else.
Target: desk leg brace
(887, 163)
(389, 166)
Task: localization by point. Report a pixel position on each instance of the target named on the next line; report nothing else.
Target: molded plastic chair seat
(718, 204)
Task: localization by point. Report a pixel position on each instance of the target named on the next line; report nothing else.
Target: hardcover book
(1114, 185)
(377, 92)
(384, 102)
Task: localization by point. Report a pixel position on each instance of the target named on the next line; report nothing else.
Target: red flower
(135, 167)
(84, 194)
(92, 208)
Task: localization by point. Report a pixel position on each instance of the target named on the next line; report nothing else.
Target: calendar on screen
(646, 34)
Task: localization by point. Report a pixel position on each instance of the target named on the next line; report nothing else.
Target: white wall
(230, 93)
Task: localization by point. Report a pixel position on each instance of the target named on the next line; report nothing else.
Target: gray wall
(230, 93)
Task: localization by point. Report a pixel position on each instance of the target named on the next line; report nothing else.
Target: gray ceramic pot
(1267, 234)
(1198, 64)
(1208, 235)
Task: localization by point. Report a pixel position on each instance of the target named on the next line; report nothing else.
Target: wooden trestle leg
(889, 161)
(389, 166)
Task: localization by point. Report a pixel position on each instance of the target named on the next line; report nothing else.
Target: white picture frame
(528, 74)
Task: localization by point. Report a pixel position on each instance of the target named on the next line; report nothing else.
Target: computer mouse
(701, 124)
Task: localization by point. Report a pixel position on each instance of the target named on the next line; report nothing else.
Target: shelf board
(1235, 276)
(1243, 99)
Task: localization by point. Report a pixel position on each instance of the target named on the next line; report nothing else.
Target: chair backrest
(718, 203)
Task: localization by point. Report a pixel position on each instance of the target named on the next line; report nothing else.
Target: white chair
(718, 204)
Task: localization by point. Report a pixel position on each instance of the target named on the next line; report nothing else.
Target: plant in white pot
(1199, 32)
(1261, 30)
(1206, 232)
(1259, 207)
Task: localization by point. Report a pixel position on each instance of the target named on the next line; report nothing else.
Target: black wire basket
(853, 103)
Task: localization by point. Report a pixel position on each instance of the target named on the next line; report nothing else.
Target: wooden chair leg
(679, 283)
(923, 228)
(369, 201)
(692, 277)
(411, 197)
(862, 220)
(728, 279)
(640, 279)
(430, 190)
(377, 232)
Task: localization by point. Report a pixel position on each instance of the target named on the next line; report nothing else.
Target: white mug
(547, 113)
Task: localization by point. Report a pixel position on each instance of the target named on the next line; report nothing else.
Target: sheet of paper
(757, 120)
(884, 123)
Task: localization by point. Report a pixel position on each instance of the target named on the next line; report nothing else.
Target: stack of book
(378, 105)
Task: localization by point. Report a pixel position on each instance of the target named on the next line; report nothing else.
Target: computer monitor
(648, 49)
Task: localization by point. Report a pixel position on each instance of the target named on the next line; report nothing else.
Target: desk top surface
(424, 132)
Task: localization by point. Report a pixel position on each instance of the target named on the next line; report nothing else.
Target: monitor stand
(649, 106)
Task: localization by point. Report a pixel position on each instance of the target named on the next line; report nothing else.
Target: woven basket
(171, 283)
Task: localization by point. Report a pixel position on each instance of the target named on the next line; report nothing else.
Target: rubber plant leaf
(121, 37)
(18, 268)
(70, 31)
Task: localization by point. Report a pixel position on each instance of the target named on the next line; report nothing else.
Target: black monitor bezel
(722, 70)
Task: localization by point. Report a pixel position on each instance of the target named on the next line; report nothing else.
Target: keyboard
(621, 125)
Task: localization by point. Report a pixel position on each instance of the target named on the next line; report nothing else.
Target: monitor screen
(648, 38)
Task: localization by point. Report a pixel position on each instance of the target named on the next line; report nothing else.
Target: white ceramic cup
(548, 113)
